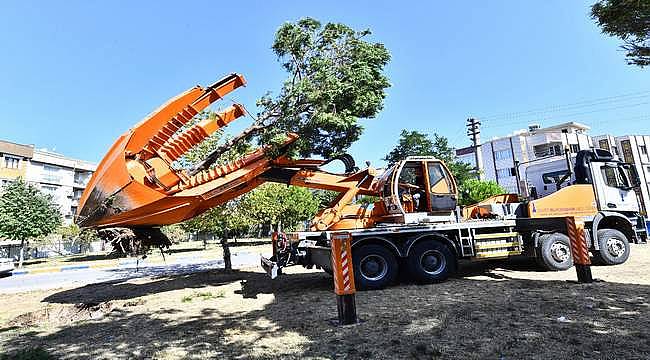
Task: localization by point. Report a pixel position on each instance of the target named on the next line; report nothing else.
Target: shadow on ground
(462, 318)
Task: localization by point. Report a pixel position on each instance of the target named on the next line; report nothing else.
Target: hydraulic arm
(138, 185)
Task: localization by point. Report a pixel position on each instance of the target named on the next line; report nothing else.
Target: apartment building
(632, 149)
(538, 154)
(62, 177)
(14, 159)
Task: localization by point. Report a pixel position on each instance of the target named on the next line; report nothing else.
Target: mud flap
(271, 267)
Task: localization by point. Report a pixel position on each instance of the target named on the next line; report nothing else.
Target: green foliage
(335, 78)
(73, 232)
(175, 233)
(473, 191)
(415, 143)
(324, 197)
(200, 151)
(628, 20)
(411, 143)
(225, 220)
(68, 231)
(277, 204)
(367, 199)
(26, 213)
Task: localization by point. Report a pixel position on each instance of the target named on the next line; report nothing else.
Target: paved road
(21, 283)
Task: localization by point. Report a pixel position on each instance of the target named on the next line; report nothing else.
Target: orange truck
(415, 226)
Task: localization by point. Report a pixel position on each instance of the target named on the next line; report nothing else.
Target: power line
(565, 107)
(490, 126)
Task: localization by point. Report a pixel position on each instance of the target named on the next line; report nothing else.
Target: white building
(538, 153)
(62, 177)
(631, 149)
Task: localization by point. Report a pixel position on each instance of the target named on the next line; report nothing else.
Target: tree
(226, 219)
(283, 207)
(367, 199)
(411, 143)
(175, 233)
(335, 77)
(325, 197)
(415, 143)
(26, 214)
(628, 20)
(473, 191)
(76, 235)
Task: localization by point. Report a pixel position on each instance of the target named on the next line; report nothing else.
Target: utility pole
(474, 133)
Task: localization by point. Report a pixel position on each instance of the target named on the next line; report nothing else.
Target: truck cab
(419, 189)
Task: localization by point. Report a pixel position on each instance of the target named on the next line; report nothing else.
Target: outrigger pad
(271, 267)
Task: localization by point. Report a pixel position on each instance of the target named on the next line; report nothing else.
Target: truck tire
(431, 261)
(614, 247)
(375, 267)
(554, 252)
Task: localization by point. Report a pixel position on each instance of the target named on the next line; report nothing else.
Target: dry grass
(510, 312)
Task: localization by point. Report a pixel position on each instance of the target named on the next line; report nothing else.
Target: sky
(74, 75)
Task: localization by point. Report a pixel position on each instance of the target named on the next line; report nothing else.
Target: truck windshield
(616, 176)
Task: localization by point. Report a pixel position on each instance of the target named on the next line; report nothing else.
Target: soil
(506, 310)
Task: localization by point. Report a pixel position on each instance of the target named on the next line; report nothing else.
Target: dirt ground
(489, 310)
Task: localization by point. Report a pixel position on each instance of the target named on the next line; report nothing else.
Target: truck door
(441, 188)
(614, 187)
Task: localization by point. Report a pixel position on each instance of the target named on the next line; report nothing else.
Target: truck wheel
(375, 267)
(554, 252)
(431, 261)
(614, 247)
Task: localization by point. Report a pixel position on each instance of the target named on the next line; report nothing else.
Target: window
(554, 177)
(603, 144)
(575, 148)
(627, 151)
(550, 149)
(12, 162)
(614, 177)
(51, 174)
(643, 149)
(76, 195)
(81, 178)
(502, 154)
(437, 179)
(504, 173)
(411, 174)
(49, 190)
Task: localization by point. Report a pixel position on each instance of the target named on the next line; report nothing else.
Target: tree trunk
(21, 257)
(227, 262)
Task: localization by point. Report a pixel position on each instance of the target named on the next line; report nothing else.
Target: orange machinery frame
(137, 184)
